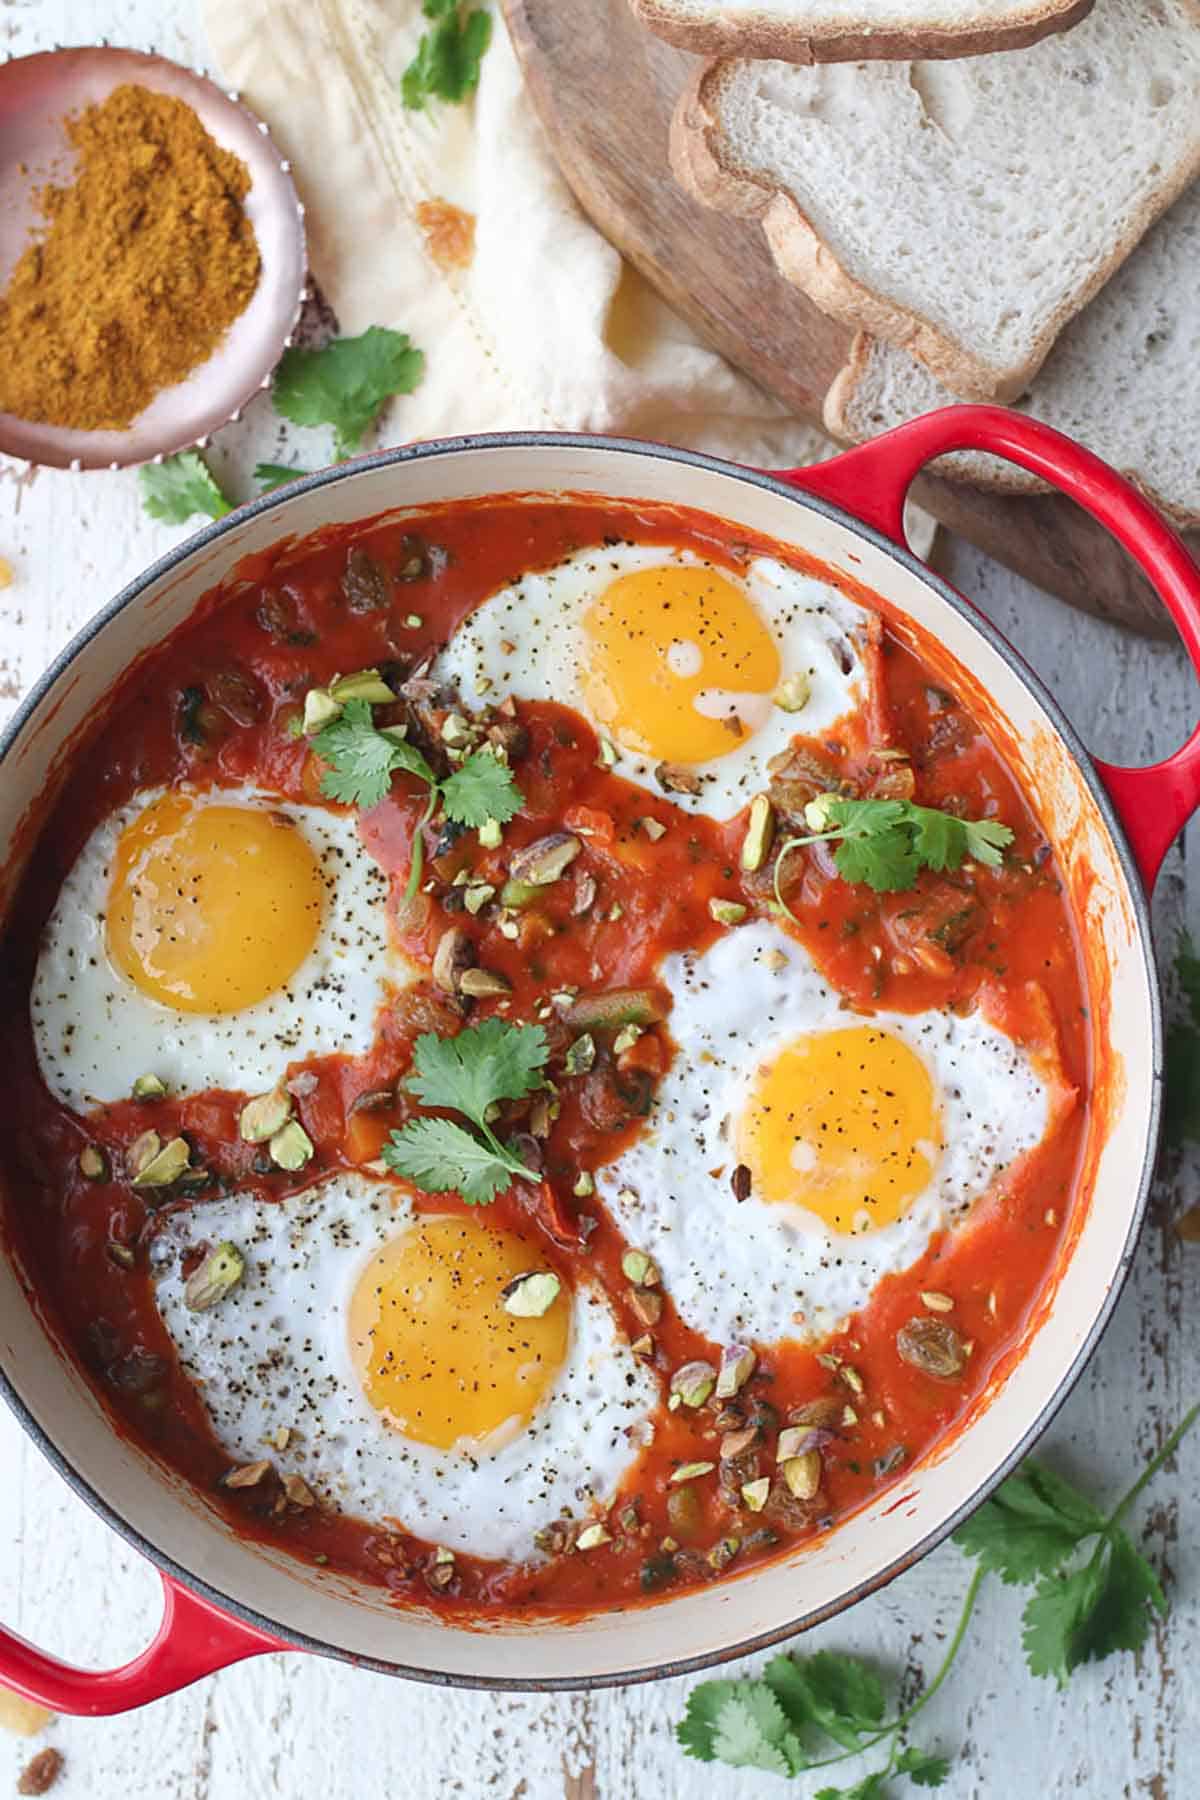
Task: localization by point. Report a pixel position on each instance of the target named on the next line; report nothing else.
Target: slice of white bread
(822, 31)
(962, 210)
(1124, 378)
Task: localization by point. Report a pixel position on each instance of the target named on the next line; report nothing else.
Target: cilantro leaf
(1054, 1618)
(440, 1157)
(346, 383)
(487, 1062)
(838, 1694)
(1030, 1526)
(697, 1728)
(449, 55)
(362, 759)
(1119, 1618)
(751, 1731)
(986, 840)
(939, 839)
(178, 488)
(871, 1787)
(270, 476)
(922, 1768)
(480, 789)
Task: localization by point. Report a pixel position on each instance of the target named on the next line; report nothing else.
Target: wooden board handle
(871, 483)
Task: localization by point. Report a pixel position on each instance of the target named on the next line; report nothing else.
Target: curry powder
(146, 260)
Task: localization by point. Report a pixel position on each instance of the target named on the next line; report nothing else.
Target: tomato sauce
(217, 704)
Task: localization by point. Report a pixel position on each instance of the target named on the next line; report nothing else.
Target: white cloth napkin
(544, 327)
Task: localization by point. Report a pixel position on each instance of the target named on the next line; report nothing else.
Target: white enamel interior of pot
(815, 1581)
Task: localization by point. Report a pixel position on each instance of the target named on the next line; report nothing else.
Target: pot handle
(872, 481)
(194, 1639)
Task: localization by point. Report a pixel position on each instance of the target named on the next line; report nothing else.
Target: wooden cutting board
(605, 89)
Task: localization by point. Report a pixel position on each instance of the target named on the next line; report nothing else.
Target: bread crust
(803, 258)
(760, 36)
(969, 468)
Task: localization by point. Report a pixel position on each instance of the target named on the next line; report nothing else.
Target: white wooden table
(299, 1727)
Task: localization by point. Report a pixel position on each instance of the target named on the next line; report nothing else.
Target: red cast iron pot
(1110, 827)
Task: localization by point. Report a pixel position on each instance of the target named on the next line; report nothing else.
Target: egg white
(95, 1031)
(527, 639)
(747, 1269)
(276, 1352)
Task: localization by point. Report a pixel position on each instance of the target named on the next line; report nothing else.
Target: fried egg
(671, 659)
(210, 937)
(377, 1343)
(857, 1137)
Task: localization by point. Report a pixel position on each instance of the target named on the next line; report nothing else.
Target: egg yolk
(681, 667)
(845, 1124)
(212, 908)
(436, 1351)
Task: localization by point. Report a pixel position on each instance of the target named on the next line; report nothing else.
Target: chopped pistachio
(592, 1536)
(247, 1474)
(654, 829)
(519, 894)
(626, 1038)
(852, 1379)
(532, 1294)
(510, 926)
(691, 1472)
(280, 1438)
(607, 754)
(93, 1164)
(938, 1303)
(292, 1147)
(149, 1087)
(320, 710)
(542, 1115)
(456, 731)
(477, 896)
(630, 1518)
(581, 1056)
(491, 835)
(543, 861)
(816, 813)
(298, 1492)
(483, 984)
(364, 684)
(668, 1546)
(723, 1553)
(694, 1382)
(646, 1304)
(165, 1165)
(849, 1417)
(442, 1556)
(737, 1366)
(792, 1442)
(727, 912)
(641, 1269)
(121, 1255)
(792, 694)
(263, 1116)
(736, 1443)
(217, 1276)
(802, 1474)
(759, 832)
(643, 1346)
(616, 911)
(755, 1493)
(584, 1185)
(413, 621)
(455, 953)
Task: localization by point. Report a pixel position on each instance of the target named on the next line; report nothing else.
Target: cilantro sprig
(270, 476)
(345, 383)
(1034, 1531)
(886, 843)
(447, 63)
(467, 1074)
(363, 757)
(180, 487)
